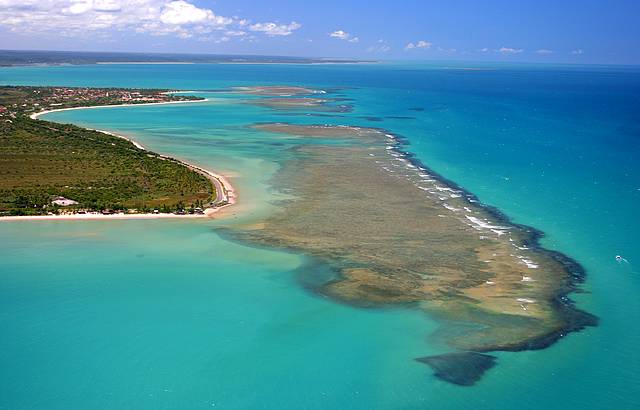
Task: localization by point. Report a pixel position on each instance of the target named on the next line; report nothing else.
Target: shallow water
(93, 323)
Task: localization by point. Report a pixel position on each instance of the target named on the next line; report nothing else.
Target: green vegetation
(40, 161)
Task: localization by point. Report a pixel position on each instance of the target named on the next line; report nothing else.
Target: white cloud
(544, 51)
(419, 44)
(380, 47)
(216, 40)
(101, 18)
(181, 12)
(508, 50)
(78, 7)
(273, 29)
(235, 33)
(577, 52)
(343, 35)
(447, 50)
(107, 5)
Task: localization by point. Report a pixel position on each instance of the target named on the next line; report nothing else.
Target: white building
(62, 201)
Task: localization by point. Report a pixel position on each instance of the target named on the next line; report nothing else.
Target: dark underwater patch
(463, 369)
(400, 117)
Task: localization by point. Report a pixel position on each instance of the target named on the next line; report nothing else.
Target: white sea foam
(484, 224)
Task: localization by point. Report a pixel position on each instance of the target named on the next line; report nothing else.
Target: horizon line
(297, 57)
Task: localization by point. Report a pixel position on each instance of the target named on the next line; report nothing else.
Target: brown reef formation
(276, 90)
(293, 98)
(397, 233)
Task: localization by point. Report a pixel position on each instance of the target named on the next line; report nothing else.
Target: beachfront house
(62, 201)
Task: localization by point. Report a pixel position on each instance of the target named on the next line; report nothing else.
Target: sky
(561, 31)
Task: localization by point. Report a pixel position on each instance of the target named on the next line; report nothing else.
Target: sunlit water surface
(169, 314)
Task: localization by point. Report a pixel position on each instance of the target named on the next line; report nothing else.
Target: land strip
(50, 169)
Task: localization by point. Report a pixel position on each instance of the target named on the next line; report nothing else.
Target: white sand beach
(35, 115)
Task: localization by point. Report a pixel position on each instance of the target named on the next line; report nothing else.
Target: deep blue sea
(169, 314)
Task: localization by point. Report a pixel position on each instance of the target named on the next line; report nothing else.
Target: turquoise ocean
(169, 314)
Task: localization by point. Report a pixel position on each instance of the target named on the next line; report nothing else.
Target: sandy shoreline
(99, 216)
(35, 115)
(225, 192)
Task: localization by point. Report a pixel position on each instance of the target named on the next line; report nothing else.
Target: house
(62, 201)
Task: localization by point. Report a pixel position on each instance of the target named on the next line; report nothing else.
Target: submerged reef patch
(294, 98)
(301, 103)
(398, 234)
(464, 368)
(400, 117)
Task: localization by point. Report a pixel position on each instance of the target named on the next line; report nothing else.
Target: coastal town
(20, 100)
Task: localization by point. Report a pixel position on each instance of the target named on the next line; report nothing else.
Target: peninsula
(51, 169)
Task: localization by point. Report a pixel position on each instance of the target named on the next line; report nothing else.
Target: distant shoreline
(232, 62)
(225, 193)
(145, 62)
